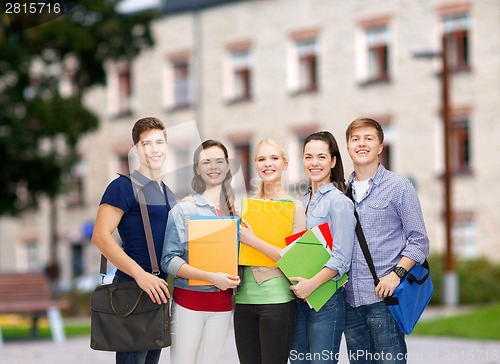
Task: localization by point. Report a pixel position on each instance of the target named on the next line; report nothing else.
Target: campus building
(245, 70)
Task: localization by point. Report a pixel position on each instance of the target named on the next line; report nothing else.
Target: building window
(460, 145)
(303, 61)
(32, 251)
(75, 197)
(238, 72)
(456, 30)
(182, 89)
(464, 235)
(120, 88)
(307, 52)
(242, 75)
(243, 156)
(183, 174)
(178, 80)
(123, 164)
(385, 157)
(377, 39)
(77, 260)
(297, 179)
(374, 53)
(125, 90)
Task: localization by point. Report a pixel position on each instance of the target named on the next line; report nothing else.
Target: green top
(274, 290)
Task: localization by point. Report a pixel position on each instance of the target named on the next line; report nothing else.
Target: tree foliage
(40, 121)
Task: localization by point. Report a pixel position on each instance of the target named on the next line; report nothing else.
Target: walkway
(422, 350)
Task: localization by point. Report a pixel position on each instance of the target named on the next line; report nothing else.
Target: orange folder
(212, 245)
(271, 221)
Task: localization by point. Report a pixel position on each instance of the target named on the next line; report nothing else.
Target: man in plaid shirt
(391, 218)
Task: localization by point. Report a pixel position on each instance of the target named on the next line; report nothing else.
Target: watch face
(400, 271)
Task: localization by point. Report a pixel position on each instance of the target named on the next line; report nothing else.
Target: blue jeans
(137, 357)
(318, 334)
(372, 335)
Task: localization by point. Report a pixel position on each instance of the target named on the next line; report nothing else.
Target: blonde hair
(260, 193)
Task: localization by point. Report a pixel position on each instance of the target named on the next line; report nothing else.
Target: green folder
(309, 237)
(305, 259)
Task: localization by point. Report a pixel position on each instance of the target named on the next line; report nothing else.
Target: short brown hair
(145, 124)
(361, 122)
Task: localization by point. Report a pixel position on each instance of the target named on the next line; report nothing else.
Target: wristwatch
(400, 271)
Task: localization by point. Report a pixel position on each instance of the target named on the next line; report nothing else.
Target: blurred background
(73, 83)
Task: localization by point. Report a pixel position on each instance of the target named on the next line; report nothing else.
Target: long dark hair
(226, 200)
(337, 172)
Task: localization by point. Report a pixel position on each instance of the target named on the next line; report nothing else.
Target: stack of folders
(213, 245)
(272, 221)
(305, 255)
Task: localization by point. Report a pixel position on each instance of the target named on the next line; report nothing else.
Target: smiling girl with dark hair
(201, 315)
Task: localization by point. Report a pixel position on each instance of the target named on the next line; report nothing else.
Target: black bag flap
(122, 299)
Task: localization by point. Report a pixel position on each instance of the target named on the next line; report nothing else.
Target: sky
(135, 5)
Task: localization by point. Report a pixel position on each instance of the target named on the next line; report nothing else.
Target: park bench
(30, 293)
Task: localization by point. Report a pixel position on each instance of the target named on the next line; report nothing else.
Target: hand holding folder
(271, 221)
(305, 258)
(213, 245)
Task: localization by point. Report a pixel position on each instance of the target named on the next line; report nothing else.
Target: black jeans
(264, 333)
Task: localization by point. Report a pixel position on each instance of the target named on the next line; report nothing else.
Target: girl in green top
(265, 312)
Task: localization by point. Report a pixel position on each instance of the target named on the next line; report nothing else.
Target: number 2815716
(32, 8)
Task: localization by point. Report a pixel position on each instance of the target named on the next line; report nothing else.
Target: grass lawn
(23, 332)
(481, 323)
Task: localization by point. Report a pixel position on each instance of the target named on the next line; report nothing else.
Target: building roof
(170, 7)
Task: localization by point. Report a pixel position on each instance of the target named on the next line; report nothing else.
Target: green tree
(40, 125)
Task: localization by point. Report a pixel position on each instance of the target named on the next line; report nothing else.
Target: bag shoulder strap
(362, 240)
(147, 228)
(368, 257)
(364, 248)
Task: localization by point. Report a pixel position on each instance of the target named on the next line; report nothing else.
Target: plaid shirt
(393, 225)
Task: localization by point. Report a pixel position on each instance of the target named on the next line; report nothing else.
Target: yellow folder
(271, 221)
(212, 245)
